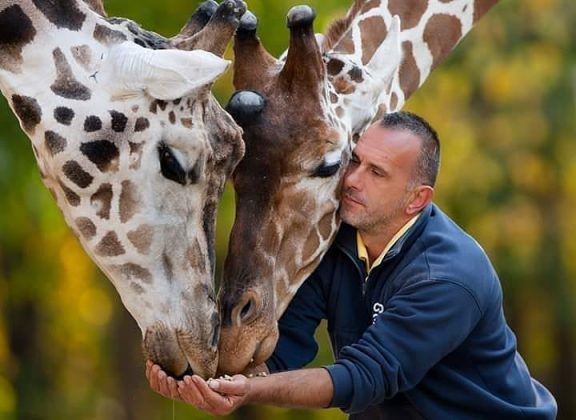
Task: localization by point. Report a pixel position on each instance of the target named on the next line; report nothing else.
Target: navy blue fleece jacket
(422, 336)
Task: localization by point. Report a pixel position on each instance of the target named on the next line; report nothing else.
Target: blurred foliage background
(505, 107)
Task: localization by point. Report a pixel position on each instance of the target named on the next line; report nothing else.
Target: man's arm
(303, 388)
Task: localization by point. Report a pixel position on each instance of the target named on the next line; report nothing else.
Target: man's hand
(216, 396)
(160, 382)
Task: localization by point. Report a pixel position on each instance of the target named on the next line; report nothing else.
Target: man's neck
(378, 239)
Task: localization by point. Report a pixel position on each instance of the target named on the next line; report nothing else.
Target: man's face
(376, 183)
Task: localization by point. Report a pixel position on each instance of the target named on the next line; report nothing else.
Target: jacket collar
(346, 238)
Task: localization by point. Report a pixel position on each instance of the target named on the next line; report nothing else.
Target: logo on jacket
(377, 309)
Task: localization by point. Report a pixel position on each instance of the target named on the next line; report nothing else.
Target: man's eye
(169, 165)
(326, 170)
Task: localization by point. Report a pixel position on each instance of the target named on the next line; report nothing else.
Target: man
(414, 307)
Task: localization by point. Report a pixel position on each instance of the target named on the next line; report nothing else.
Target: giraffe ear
(163, 74)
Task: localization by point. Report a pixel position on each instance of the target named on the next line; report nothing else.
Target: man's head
(392, 173)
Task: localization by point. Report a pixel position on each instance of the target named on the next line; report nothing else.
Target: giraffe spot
(105, 35)
(326, 226)
(62, 13)
(138, 289)
(119, 121)
(109, 246)
(54, 142)
(128, 201)
(195, 257)
(28, 111)
(441, 34)
(311, 245)
(177, 101)
(141, 238)
(343, 86)
(72, 198)
(157, 103)
(83, 56)
(134, 272)
(76, 174)
(481, 7)
(135, 154)
(409, 71)
(141, 124)
(92, 123)
(64, 115)
(102, 153)
(186, 122)
(102, 201)
(172, 117)
(66, 85)
(168, 267)
(393, 102)
(356, 74)
(334, 66)
(86, 227)
(410, 12)
(16, 30)
(333, 97)
(374, 31)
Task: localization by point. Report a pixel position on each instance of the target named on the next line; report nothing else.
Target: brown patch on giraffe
(186, 122)
(72, 198)
(311, 245)
(86, 227)
(325, 226)
(134, 272)
(128, 201)
(141, 238)
(83, 56)
(410, 13)
(168, 267)
(76, 174)
(28, 111)
(54, 142)
(16, 31)
(102, 153)
(409, 71)
(343, 86)
(141, 124)
(119, 121)
(196, 257)
(64, 115)
(62, 13)
(66, 85)
(135, 154)
(374, 31)
(334, 66)
(102, 199)
(481, 7)
(356, 74)
(442, 33)
(393, 103)
(138, 289)
(110, 246)
(172, 117)
(92, 123)
(105, 35)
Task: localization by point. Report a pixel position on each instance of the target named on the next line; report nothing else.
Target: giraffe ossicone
(135, 150)
(312, 104)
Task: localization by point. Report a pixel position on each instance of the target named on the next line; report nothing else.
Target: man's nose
(352, 177)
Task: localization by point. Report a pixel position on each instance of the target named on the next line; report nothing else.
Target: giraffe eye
(169, 165)
(326, 170)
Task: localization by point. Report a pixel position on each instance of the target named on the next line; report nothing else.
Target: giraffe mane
(338, 27)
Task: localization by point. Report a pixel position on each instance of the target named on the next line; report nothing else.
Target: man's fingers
(220, 404)
(189, 392)
(236, 386)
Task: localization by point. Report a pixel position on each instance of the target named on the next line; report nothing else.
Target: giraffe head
(300, 115)
(135, 150)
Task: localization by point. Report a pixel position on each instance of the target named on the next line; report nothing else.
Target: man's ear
(421, 197)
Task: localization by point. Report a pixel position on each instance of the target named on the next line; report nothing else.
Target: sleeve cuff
(342, 383)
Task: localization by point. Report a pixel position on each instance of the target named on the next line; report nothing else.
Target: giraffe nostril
(247, 310)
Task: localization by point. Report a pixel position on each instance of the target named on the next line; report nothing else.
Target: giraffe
(301, 115)
(135, 150)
